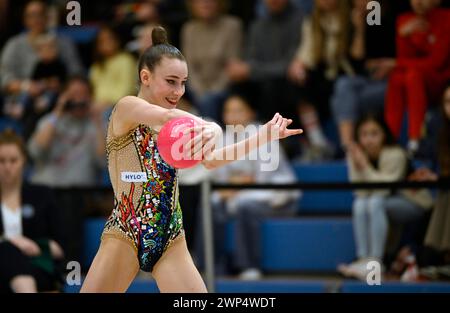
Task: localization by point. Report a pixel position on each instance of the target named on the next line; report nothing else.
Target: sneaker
(411, 273)
(349, 270)
(251, 274)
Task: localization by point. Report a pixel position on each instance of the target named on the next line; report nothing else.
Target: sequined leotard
(146, 212)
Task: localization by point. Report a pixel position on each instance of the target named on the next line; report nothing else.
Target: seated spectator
(31, 232)
(131, 15)
(321, 57)
(113, 75)
(438, 233)
(422, 67)
(19, 58)
(270, 47)
(50, 72)
(372, 51)
(142, 40)
(249, 207)
(68, 146)
(209, 40)
(375, 158)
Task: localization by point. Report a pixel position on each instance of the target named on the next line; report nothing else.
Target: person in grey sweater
(271, 45)
(18, 57)
(68, 145)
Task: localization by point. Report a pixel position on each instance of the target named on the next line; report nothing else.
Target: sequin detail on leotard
(146, 214)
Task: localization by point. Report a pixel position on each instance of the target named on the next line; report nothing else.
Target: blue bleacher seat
(312, 244)
(321, 201)
(79, 34)
(93, 228)
(303, 244)
(6, 122)
(104, 178)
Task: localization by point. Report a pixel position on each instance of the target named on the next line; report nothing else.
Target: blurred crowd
(376, 96)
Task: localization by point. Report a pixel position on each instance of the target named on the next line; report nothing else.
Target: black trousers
(14, 263)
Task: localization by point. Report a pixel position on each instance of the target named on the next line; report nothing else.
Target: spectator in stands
(19, 57)
(49, 70)
(422, 67)
(31, 233)
(131, 15)
(209, 40)
(438, 233)
(375, 158)
(113, 73)
(373, 51)
(142, 40)
(51, 73)
(249, 207)
(270, 47)
(68, 146)
(321, 57)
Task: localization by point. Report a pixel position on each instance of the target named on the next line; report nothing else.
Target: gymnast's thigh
(114, 267)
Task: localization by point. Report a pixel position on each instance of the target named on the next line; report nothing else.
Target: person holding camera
(67, 146)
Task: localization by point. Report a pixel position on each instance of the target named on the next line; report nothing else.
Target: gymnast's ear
(145, 76)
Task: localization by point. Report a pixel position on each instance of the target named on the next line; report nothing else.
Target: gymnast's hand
(277, 129)
(204, 142)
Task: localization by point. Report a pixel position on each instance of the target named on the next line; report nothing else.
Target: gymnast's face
(165, 85)
(371, 137)
(12, 162)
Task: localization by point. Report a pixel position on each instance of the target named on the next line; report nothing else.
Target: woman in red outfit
(422, 66)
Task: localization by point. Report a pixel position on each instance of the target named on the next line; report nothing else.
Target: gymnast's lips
(172, 102)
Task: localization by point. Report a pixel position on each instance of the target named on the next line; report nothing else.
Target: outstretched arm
(132, 111)
(275, 129)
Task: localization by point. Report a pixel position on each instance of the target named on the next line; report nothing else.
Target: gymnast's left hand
(277, 128)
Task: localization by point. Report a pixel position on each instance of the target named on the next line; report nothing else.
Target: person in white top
(29, 239)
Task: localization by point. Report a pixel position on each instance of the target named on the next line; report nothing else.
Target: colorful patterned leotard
(146, 212)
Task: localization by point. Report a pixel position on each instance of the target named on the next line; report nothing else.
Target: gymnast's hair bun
(159, 36)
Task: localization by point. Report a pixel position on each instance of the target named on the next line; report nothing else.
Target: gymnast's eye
(170, 81)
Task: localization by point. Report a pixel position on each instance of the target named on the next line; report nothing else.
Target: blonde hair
(318, 32)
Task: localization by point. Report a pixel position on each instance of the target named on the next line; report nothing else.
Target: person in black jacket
(31, 233)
